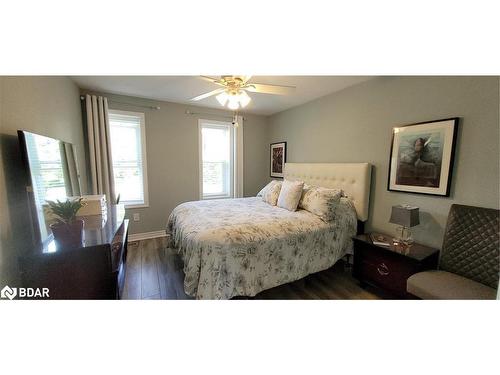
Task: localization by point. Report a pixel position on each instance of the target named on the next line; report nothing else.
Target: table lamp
(406, 216)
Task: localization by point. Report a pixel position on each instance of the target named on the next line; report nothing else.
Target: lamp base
(405, 237)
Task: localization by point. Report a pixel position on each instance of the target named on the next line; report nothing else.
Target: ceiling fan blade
(270, 89)
(206, 95)
(213, 80)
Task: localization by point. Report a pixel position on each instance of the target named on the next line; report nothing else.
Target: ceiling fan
(233, 90)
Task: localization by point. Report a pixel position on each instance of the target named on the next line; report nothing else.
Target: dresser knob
(383, 269)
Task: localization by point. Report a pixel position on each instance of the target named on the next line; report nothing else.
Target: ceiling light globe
(244, 99)
(222, 98)
(233, 104)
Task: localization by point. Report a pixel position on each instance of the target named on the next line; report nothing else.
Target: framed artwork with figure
(421, 159)
(278, 159)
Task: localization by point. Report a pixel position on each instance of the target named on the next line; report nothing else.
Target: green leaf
(66, 211)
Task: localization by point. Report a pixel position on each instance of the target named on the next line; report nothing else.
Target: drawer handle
(116, 246)
(383, 270)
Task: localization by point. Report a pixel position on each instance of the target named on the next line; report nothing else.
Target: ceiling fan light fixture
(233, 103)
(233, 90)
(244, 99)
(222, 98)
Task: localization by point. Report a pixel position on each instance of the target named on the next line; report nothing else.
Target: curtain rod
(189, 112)
(155, 107)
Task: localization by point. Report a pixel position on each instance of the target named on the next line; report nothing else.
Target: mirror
(53, 172)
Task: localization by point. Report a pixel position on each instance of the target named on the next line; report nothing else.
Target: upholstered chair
(469, 260)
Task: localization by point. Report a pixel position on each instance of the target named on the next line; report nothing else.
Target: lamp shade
(406, 216)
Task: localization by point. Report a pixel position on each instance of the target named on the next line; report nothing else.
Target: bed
(240, 247)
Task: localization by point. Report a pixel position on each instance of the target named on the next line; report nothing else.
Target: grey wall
(172, 156)
(46, 105)
(354, 125)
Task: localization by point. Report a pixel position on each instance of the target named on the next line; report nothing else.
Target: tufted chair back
(471, 244)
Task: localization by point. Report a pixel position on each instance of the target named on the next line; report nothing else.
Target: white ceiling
(180, 89)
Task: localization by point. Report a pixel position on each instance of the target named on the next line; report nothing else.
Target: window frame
(142, 125)
(216, 124)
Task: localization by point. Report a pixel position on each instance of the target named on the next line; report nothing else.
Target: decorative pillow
(290, 194)
(270, 194)
(320, 201)
(267, 187)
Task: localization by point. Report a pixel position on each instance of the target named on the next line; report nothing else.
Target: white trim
(210, 197)
(144, 157)
(134, 206)
(216, 196)
(146, 235)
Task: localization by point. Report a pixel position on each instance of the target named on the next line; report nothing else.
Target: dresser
(94, 271)
(389, 267)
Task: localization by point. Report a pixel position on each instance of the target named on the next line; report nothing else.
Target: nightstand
(388, 267)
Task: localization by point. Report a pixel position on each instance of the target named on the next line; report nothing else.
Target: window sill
(216, 197)
(133, 205)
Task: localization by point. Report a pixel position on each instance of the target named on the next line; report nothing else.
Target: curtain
(238, 158)
(99, 142)
(71, 177)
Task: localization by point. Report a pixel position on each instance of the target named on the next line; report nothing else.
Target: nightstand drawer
(387, 272)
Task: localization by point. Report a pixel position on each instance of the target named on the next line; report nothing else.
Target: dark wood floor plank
(134, 257)
(322, 290)
(149, 271)
(175, 273)
(348, 285)
(156, 296)
(167, 283)
(132, 285)
(303, 293)
(345, 285)
(282, 292)
(326, 283)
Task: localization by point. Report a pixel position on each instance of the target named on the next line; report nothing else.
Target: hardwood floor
(156, 272)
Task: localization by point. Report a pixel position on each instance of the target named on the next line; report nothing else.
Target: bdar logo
(8, 292)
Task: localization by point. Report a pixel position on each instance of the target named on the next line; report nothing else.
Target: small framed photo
(278, 159)
(421, 159)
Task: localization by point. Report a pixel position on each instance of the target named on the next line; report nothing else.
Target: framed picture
(421, 159)
(278, 159)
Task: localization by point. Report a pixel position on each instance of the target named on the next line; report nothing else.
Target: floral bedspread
(240, 247)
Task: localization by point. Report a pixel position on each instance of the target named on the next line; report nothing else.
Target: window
(128, 151)
(216, 159)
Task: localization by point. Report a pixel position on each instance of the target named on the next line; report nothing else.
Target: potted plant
(67, 230)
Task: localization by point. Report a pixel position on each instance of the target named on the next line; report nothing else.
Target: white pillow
(290, 194)
(267, 187)
(320, 201)
(271, 192)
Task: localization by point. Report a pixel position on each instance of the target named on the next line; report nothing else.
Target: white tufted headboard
(353, 178)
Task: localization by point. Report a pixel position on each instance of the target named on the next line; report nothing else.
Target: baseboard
(146, 235)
